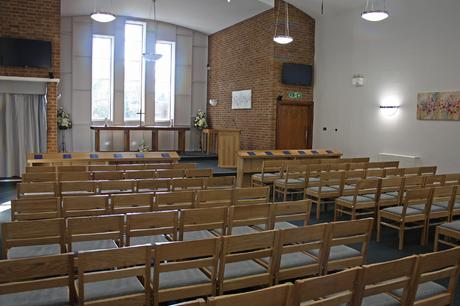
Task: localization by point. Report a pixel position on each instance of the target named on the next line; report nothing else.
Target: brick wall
(244, 56)
(35, 20)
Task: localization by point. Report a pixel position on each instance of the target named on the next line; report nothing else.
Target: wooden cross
(140, 113)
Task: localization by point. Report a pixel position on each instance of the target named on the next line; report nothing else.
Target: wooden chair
(214, 198)
(174, 200)
(152, 227)
(414, 182)
(432, 268)
(347, 244)
(405, 217)
(428, 170)
(411, 171)
(447, 234)
(171, 173)
(38, 177)
(285, 214)
(77, 188)
(114, 277)
(358, 166)
(72, 168)
(435, 180)
(352, 177)
(33, 238)
(292, 182)
(198, 172)
(375, 173)
(94, 233)
(37, 190)
(270, 171)
(293, 259)
(391, 192)
(249, 219)
(363, 202)
(250, 196)
(139, 174)
(153, 185)
(329, 290)
(187, 183)
(247, 261)
(201, 223)
(44, 280)
(108, 175)
(219, 182)
(452, 179)
(74, 176)
(80, 206)
(114, 187)
(377, 281)
(452, 203)
(390, 172)
(35, 209)
(330, 187)
(280, 295)
(185, 269)
(40, 169)
(131, 203)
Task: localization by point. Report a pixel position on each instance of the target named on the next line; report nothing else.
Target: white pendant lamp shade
(282, 39)
(102, 16)
(373, 12)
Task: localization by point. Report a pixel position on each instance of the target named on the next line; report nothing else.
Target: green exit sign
(294, 95)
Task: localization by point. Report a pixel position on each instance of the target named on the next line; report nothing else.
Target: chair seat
(358, 199)
(446, 204)
(381, 299)
(268, 175)
(33, 250)
(397, 210)
(349, 187)
(182, 278)
(323, 189)
(147, 240)
(294, 182)
(243, 268)
(279, 225)
(434, 208)
(383, 196)
(43, 297)
(338, 252)
(455, 226)
(424, 290)
(197, 235)
(112, 288)
(242, 230)
(297, 259)
(391, 193)
(93, 245)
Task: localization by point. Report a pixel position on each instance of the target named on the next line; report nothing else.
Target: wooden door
(294, 125)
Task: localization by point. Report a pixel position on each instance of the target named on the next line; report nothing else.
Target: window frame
(172, 82)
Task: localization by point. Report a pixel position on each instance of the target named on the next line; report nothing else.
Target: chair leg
(335, 212)
(318, 208)
(424, 236)
(285, 195)
(379, 228)
(436, 240)
(401, 237)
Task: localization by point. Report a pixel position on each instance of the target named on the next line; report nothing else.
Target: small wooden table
(154, 128)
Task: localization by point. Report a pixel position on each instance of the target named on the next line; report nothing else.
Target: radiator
(404, 160)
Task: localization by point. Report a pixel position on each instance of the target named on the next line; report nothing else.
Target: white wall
(416, 50)
(75, 87)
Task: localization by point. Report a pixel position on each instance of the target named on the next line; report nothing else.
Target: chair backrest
(368, 186)
(37, 190)
(414, 181)
(174, 200)
(452, 179)
(77, 188)
(42, 272)
(251, 195)
(131, 167)
(272, 165)
(198, 172)
(332, 178)
(153, 185)
(40, 169)
(296, 172)
(72, 168)
(329, 290)
(386, 277)
(93, 168)
(108, 175)
(357, 166)
(249, 215)
(279, 295)
(339, 167)
(416, 197)
(152, 224)
(187, 183)
(297, 211)
(435, 267)
(375, 173)
(391, 164)
(131, 202)
(38, 177)
(35, 209)
(121, 186)
(218, 182)
(183, 166)
(200, 255)
(198, 219)
(171, 173)
(354, 176)
(389, 172)
(36, 232)
(410, 171)
(139, 174)
(214, 198)
(78, 206)
(445, 194)
(435, 180)
(74, 176)
(95, 228)
(104, 265)
(428, 170)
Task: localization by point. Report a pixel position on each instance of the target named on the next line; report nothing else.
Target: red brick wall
(244, 56)
(35, 20)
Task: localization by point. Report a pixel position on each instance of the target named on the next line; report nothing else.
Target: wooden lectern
(228, 145)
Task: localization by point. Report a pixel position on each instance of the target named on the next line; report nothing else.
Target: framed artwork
(242, 99)
(438, 106)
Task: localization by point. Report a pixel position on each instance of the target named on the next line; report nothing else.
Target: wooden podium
(228, 145)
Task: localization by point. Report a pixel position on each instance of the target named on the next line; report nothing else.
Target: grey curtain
(22, 130)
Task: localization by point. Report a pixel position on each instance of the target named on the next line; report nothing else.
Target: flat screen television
(16, 52)
(297, 74)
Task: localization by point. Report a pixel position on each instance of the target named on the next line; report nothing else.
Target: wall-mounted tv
(297, 74)
(16, 52)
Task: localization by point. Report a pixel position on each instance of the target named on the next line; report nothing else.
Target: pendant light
(152, 56)
(285, 38)
(102, 16)
(372, 12)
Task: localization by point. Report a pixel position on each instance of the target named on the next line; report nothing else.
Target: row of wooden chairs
(413, 280)
(23, 238)
(114, 175)
(90, 205)
(53, 189)
(185, 269)
(118, 167)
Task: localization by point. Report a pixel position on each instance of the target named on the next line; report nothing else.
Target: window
(164, 81)
(102, 78)
(134, 70)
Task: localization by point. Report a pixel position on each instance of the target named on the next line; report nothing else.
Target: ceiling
(207, 16)
(313, 7)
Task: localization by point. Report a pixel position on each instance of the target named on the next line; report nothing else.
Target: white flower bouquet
(64, 121)
(200, 120)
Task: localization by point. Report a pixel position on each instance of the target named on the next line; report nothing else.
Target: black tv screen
(25, 53)
(297, 74)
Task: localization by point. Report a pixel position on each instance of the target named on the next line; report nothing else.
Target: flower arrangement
(143, 147)
(200, 120)
(64, 121)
